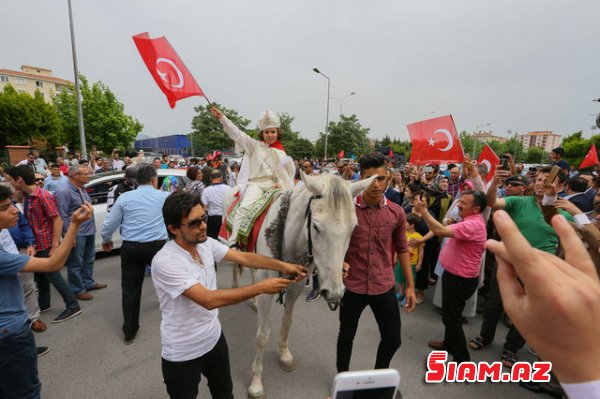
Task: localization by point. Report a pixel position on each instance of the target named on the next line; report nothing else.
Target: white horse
(317, 230)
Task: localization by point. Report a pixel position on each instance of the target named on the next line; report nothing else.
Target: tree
(207, 132)
(300, 149)
(536, 155)
(347, 134)
(106, 124)
(576, 147)
(295, 146)
(25, 119)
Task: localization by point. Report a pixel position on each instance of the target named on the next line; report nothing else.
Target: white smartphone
(368, 384)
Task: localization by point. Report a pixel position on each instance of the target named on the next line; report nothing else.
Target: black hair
(559, 151)
(6, 191)
(451, 166)
(23, 171)
(30, 153)
(424, 194)
(145, 174)
(413, 219)
(372, 160)
(577, 184)
(177, 206)
(156, 159)
(479, 199)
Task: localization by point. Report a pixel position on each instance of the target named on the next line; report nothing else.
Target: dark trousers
(492, 314)
(43, 281)
(134, 258)
(213, 226)
(18, 365)
(429, 260)
(455, 292)
(387, 314)
(182, 378)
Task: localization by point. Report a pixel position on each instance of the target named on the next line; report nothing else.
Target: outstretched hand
(216, 112)
(273, 285)
(85, 212)
(553, 302)
(292, 269)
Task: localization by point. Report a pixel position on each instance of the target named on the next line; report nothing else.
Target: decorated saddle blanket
(250, 226)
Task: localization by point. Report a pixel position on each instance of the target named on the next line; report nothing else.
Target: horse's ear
(312, 183)
(361, 185)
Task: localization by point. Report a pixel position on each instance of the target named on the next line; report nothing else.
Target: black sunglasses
(195, 223)
(39, 179)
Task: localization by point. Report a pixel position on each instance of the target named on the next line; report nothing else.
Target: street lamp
(77, 90)
(476, 131)
(341, 100)
(327, 116)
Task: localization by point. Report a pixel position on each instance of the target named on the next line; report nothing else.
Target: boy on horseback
(265, 165)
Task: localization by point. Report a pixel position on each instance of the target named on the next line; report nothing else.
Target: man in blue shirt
(56, 179)
(81, 261)
(139, 214)
(18, 363)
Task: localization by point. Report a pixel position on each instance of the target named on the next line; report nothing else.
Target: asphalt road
(89, 359)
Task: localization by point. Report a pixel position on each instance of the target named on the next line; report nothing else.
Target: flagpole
(77, 90)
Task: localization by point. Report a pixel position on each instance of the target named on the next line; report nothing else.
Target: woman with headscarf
(439, 200)
(265, 164)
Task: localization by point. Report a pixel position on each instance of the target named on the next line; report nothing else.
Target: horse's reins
(310, 257)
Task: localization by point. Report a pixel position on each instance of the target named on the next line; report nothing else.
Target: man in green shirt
(531, 214)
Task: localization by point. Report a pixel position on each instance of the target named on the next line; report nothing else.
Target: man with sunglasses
(138, 215)
(184, 276)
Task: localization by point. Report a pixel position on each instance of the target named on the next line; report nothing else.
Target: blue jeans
(44, 280)
(18, 365)
(80, 264)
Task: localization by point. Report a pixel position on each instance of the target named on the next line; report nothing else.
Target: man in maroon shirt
(380, 233)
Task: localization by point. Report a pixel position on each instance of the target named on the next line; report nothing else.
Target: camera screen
(373, 393)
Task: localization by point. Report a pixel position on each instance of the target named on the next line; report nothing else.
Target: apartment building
(30, 78)
(544, 139)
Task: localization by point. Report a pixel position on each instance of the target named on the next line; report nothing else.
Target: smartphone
(504, 163)
(552, 175)
(368, 384)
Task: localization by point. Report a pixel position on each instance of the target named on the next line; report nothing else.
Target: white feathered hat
(268, 119)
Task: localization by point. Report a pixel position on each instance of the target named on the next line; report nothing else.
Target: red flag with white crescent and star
(341, 154)
(488, 158)
(167, 69)
(590, 159)
(435, 141)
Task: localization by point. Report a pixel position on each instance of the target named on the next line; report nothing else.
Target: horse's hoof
(256, 395)
(287, 366)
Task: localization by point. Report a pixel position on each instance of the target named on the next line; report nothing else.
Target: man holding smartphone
(379, 235)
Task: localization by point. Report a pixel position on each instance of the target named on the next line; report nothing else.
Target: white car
(99, 186)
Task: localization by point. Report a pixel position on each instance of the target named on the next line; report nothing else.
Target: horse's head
(332, 221)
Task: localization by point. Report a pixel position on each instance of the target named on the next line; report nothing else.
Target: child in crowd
(416, 256)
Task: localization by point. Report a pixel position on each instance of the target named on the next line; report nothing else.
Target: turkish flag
(488, 158)
(167, 69)
(391, 153)
(590, 159)
(435, 141)
(341, 154)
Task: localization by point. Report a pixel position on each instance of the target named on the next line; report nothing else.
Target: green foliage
(536, 155)
(105, 122)
(207, 132)
(347, 134)
(576, 147)
(24, 119)
(473, 148)
(295, 146)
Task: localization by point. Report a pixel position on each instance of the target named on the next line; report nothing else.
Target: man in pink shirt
(380, 233)
(461, 259)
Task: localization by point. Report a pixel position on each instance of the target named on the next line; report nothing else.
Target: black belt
(147, 242)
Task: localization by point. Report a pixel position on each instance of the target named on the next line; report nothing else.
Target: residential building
(31, 78)
(543, 139)
(487, 136)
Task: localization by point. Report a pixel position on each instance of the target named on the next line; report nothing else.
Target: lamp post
(327, 116)
(341, 100)
(77, 90)
(474, 139)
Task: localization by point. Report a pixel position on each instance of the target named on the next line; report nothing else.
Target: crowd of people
(419, 227)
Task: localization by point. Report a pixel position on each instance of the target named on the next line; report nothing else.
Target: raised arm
(234, 133)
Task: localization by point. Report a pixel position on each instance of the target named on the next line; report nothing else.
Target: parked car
(99, 186)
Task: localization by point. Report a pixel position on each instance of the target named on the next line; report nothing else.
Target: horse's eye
(316, 228)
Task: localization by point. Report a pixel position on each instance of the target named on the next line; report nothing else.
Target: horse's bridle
(308, 217)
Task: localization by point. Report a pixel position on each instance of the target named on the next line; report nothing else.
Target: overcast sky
(520, 65)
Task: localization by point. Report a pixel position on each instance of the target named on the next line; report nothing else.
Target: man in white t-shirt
(184, 276)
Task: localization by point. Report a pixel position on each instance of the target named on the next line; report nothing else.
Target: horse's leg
(234, 270)
(253, 299)
(256, 390)
(286, 359)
